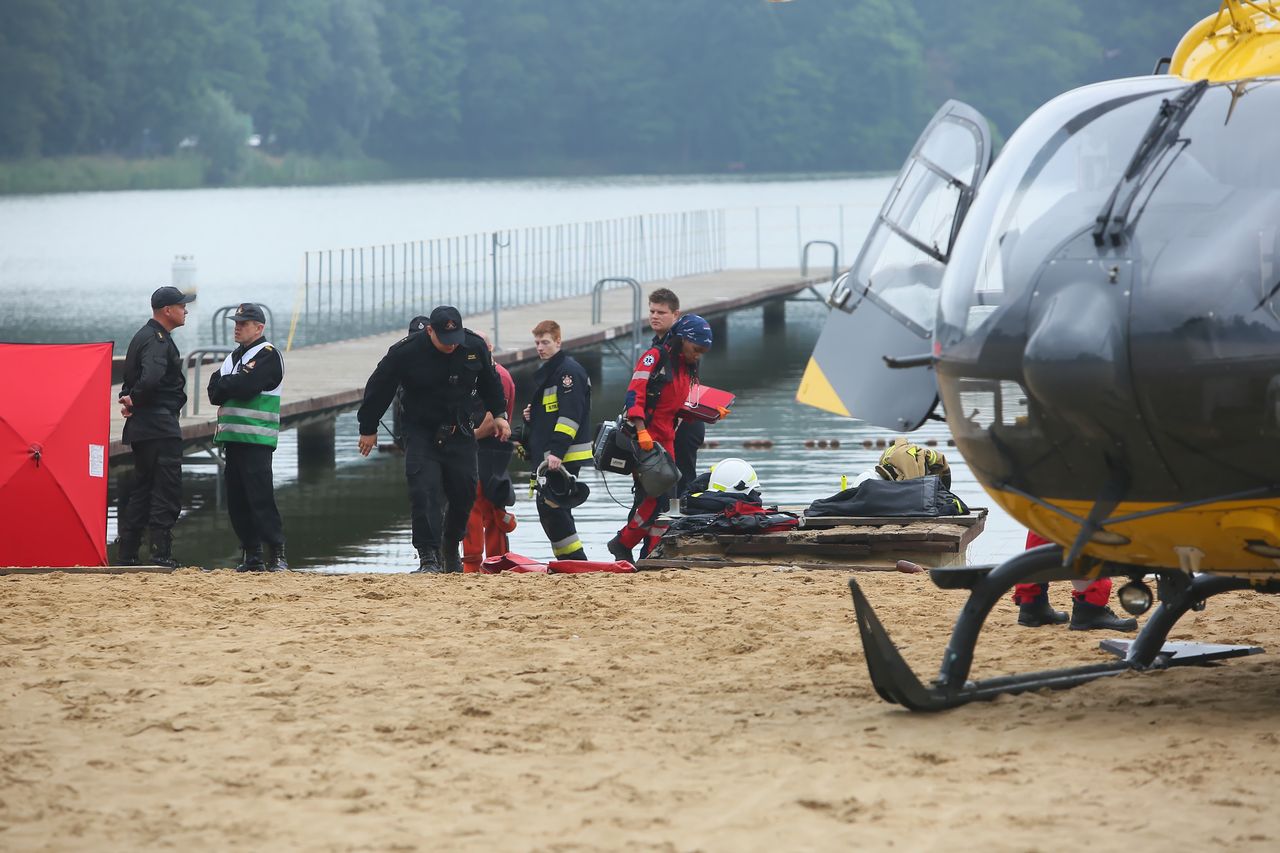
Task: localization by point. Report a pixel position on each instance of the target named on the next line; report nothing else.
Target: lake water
(80, 267)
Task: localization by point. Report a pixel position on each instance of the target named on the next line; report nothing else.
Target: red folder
(707, 404)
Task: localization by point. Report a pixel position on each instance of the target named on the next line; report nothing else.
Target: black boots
(276, 561)
(619, 551)
(162, 549)
(251, 560)
(127, 554)
(1096, 617)
(428, 563)
(1039, 613)
(452, 562)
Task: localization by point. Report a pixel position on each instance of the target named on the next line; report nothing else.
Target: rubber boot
(1095, 617)
(127, 553)
(251, 560)
(162, 549)
(578, 554)
(1037, 613)
(452, 562)
(276, 560)
(619, 551)
(428, 563)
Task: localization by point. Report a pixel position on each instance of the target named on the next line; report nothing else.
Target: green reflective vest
(255, 420)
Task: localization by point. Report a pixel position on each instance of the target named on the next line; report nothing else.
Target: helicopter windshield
(1059, 170)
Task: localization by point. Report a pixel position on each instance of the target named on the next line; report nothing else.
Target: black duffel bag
(922, 497)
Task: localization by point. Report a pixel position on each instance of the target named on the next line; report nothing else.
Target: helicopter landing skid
(895, 682)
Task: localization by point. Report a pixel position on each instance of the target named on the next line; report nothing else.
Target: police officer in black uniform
(246, 390)
(438, 372)
(152, 395)
(556, 432)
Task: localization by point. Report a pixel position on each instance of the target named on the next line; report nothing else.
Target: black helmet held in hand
(559, 488)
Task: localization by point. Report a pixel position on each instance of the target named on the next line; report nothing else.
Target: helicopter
(1098, 311)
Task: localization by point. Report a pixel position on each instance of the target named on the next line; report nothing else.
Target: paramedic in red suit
(490, 520)
(658, 390)
(1089, 610)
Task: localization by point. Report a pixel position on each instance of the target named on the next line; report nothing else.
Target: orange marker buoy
(822, 442)
(880, 442)
(866, 442)
(809, 442)
(835, 444)
(933, 442)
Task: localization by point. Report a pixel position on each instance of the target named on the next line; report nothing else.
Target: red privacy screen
(55, 407)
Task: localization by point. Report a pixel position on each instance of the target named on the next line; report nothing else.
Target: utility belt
(442, 433)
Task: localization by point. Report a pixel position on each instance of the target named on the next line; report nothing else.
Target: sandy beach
(725, 710)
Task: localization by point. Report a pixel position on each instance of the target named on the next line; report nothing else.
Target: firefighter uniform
(560, 413)
(246, 390)
(156, 382)
(439, 442)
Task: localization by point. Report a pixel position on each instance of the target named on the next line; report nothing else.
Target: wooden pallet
(834, 543)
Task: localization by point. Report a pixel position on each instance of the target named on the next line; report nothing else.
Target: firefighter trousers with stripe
(560, 527)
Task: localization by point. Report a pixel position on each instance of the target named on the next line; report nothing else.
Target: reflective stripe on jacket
(253, 420)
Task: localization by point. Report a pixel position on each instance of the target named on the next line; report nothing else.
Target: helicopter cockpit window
(900, 268)
(1053, 176)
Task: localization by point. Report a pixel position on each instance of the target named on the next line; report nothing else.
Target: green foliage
(222, 132)
(516, 86)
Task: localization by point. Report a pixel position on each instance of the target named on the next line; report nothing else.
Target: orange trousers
(487, 530)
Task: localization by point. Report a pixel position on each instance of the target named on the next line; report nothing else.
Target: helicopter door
(884, 308)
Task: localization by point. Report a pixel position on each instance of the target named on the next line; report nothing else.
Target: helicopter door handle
(924, 360)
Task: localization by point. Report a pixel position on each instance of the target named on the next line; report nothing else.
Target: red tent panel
(55, 406)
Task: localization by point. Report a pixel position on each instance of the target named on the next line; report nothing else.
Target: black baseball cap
(419, 323)
(169, 295)
(447, 323)
(249, 311)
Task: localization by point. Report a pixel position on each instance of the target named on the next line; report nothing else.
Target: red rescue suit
(1093, 592)
(666, 366)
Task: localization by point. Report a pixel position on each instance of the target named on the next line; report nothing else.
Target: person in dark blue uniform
(438, 371)
(557, 425)
(152, 394)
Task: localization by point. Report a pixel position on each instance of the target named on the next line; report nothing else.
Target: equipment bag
(921, 497)
(700, 498)
(609, 451)
(512, 562)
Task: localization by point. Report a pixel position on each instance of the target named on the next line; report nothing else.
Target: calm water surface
(81, 266)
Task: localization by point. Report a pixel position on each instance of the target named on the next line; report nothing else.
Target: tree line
(553, 86)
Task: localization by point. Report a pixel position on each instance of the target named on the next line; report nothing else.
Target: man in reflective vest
(557, 423)
(246, 390)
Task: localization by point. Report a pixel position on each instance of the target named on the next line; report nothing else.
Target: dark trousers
(442, 483)
(689, 438)
(559, 525)
(155, 496)
(251, 499)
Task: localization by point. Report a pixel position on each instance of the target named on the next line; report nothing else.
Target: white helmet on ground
(733, 475)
